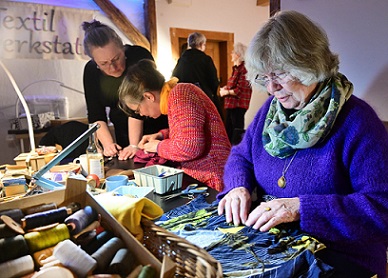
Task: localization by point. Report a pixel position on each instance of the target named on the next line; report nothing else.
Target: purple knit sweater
(342, 183)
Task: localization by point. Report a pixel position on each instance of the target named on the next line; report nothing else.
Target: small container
(134, 191)
(162, 178)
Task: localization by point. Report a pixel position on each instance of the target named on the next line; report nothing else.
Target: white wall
(27, 71)
(243, 18)
(358, 32)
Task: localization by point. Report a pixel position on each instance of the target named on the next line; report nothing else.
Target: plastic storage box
(162, 178)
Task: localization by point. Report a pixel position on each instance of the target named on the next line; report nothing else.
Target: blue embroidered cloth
(284, 251)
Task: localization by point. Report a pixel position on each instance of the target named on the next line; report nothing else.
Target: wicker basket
(190, 260)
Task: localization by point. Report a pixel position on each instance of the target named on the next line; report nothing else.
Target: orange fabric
(164, 94)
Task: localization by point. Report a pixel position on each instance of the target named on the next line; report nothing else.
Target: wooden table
(156, 198)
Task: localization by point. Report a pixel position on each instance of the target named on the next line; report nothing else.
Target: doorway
(219, 45)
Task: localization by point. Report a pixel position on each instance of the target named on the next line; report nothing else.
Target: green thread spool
(122, 263)
(105, 253)
(43, 239)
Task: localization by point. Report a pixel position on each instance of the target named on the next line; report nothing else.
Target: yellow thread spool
(43, 239)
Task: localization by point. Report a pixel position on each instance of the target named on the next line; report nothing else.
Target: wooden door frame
(226, 40)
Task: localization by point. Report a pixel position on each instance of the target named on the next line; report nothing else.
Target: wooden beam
(122, 22)
(262, 2)
(150, 23)
(274, 7)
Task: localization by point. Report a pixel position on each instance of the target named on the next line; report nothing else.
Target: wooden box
(75, 191)
(37, 161)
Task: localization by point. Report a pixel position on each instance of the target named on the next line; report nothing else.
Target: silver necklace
(282, 179)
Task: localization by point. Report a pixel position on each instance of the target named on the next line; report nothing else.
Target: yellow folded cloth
(129, 211)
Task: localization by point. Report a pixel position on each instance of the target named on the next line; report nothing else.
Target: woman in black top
(102, 77)
(195, 67)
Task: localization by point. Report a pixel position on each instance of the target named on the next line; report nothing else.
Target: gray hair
(293, 43)
(139, 78)
(240, 50)
(98, 34)
(195, 40)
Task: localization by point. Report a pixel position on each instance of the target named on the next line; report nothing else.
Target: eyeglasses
(113, 62)
(128, 111)
(264, 80)
(137, 111)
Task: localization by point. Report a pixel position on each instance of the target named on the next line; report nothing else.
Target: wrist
(134, 146)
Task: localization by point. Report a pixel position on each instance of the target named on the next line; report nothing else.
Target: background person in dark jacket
(195, 67)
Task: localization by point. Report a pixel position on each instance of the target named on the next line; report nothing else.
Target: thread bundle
(77, 243)
(39, 219)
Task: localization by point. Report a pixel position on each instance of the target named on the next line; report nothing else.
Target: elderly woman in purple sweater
(318, 151)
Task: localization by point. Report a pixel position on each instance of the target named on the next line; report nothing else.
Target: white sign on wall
(38, 31)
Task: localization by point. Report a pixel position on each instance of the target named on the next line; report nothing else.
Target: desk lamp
(49, 184)
(18, 101)
(26, 109)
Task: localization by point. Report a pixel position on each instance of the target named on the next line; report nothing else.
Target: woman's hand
(111, 149)
(224, 91)
(151, 146)
(148, 138)
(236, 205)
(128, 152)
(274, 212)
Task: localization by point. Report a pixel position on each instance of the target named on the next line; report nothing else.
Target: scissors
(189, 191)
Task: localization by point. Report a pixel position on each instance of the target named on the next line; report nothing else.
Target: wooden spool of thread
(81, 219)
(40, 208)
(40, 219)
(99, 241)
(42, 255)
(74, 258)
(43, 239)
(12, 248)
(17, 267)
(15, 214)
(105, 253)
(122, 263)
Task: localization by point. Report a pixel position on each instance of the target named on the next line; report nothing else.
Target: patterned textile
(284, 134)
(341, 182)
(244, 252)
(148, 158)
(241, 87)
(196, 137)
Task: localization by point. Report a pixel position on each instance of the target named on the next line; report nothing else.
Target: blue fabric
(284, 252)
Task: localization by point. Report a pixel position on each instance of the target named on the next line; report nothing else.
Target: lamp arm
(25, 106)
(17, 110)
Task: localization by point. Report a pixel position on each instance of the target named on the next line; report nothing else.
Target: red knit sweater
(196, 136)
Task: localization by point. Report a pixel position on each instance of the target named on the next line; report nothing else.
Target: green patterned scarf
(283, 134)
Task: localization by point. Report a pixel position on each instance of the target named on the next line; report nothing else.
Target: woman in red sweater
(196, 137)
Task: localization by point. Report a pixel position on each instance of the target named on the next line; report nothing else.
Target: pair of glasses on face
(113, 62)
(128, 111)
(280, 78)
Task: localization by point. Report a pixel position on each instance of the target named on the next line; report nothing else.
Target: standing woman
(102, 77)
(196, 137)
(196, 67)
(237, 93)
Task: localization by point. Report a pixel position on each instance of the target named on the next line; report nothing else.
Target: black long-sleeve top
(101, 91)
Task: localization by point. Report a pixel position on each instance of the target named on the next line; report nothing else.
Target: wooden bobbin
(12, 224)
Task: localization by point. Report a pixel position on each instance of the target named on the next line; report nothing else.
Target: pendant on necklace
(282, 182)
